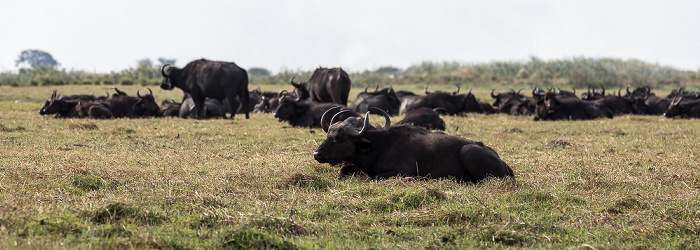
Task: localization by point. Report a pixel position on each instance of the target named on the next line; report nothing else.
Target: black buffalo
(551, 106)
(405, 150)
(123, 105)
(384, 99)
(213, 108)
(325, 85)
(423, 117)
(93, 109)
(513, 103)
(214, 79)
(687, 109)
(64, 105)
(452, 103)
(305, 113)
(169, 108)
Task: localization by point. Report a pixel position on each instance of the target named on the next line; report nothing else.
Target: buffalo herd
(407, 148)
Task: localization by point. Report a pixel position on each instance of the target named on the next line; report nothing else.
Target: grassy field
(626, 182)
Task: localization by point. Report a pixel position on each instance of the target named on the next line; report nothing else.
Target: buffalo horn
(162, 70)
(137, 93)
(296, 85)
(492, 95)
(425, 90)
(325, 124)
(387, 120)
(150, 91)
(282, 94)
(458, 88)
(628, 90)
(518, 93)
(365, 126)
(297, 94)
(376, 88)
(53, 94)
(602, 87)
(337, 116)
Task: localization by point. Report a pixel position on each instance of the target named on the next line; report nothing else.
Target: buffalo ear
(363, 145)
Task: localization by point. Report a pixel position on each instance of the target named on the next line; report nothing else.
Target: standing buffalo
(406, 150)
(325, 85)
(203, 78)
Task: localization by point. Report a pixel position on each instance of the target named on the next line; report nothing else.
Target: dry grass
(628, 182)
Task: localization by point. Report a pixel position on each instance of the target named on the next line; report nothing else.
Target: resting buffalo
(64, 105)
(94, 109)
(169, 108)
(212, 108)
(305, 113)
(123, 105)
(384, 99)
(325, 85)
(452, 103)
(203, 78)
(551, 106)
(423, 117)
(405, 150)
(513, 103)
(678, 107)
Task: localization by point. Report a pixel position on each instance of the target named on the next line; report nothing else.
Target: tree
(35, 57)
(145, 63)
(164, 61)
(259, 72)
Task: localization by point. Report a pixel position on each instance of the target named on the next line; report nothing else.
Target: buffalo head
(345, 138)
(146, 104)
(166, 71)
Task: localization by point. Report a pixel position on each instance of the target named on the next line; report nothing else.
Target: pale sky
(104, 36)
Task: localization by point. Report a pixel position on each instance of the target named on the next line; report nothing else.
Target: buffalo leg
(199, 108)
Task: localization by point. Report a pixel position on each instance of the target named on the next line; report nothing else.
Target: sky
(104, 36)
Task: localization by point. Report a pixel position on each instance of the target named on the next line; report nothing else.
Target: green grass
(628, 182)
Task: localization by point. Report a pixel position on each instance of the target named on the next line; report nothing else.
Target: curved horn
(603, 91)
(376, 88)
(440, 110)
(628, 90)
(296, 85)
(366, 89)
(324, 124)
(336, 116)
(137, 94)
(512, 91)
(518, 93)
(297, 94)
(574, 88)
(387, 120)
(365, 127)
(493, 96)
(458, 88)
(53, 94)
(150, 91)
(162, 70)
(425, 90)
(107, 95)
(282, 94)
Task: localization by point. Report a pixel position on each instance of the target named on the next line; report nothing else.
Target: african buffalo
(325, 85)
(423, 117)
(452, 103)
(213, 108)
(214, 79)
(169, 108)
(551, 106)
(384, 99)
(305, 113)
(123, 105)
(513, 103)
(406, 150)
(678, 107)
(64, 105)
(94, 109)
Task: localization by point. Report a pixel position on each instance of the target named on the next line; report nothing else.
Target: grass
(627, 182)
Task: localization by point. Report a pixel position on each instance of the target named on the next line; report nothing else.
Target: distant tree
(164, 61)
(259, 72)
(145, 63)
(35, 57)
